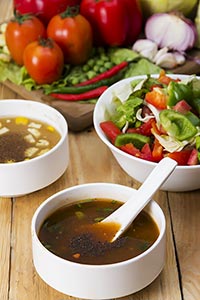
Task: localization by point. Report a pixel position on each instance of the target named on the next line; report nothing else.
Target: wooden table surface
(91, 161)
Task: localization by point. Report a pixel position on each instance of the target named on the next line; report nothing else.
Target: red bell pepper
(114, 22)
(44, 9)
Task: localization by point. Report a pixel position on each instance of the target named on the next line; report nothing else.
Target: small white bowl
(183, 178)
(97, 281)
(28, 176)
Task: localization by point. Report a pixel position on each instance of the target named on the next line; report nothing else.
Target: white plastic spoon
(141, 197)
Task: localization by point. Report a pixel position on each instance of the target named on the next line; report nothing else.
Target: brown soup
(22, 138)
(70, 233)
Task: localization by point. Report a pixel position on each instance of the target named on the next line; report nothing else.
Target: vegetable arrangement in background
(168, 37)
(73, 33)
(89, 46)
(114, 22)
(159, 117)
(21, 31)
(43, 9)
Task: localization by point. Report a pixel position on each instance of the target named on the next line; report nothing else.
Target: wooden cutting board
(79, 115)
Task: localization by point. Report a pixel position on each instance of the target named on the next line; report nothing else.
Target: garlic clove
(180, 58)
(160, 53)
(146, 48)
(167, 60)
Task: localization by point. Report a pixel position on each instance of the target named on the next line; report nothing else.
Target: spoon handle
(140, 198)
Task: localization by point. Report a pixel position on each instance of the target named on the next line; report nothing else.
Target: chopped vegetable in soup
(22, 138)
(73, 232)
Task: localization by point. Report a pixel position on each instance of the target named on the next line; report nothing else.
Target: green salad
(157, 117)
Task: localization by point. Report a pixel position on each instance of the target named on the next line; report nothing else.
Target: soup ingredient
(164, 112)
(115, 22)
(21, 31)
(172, 31)
(44, 9)
(22, 138)
(44, 61)
(84, 240)
(73, 33)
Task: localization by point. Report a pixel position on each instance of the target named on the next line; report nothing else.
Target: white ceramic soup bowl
(97, 281)
(28, 176)
(183, 178)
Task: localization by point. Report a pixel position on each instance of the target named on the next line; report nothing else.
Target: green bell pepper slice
(138, 140)
(178, 91)
(177, 125)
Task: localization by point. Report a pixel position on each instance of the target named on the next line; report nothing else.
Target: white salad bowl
(183, 178)
(97, 281)
(27, 176)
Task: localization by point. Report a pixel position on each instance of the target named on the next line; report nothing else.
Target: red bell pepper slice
(110, 130)
(157, 151)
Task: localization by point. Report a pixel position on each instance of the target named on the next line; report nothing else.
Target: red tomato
(156, 98)
(44, 61)
(20, 32)
(181, 157)
(110, 130)
(44, 9)
(73, 33)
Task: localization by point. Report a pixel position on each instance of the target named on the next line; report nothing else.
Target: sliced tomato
(131, 149)
(110, 130)
(157, 152)
(181, 157)
(146, 153)
(182, 107)
(157, 98)
(144, 129)
(193, 158)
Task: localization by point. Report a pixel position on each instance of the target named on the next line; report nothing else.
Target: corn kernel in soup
(22, 138)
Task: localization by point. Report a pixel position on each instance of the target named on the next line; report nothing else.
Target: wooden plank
(78, 116)
(5, 241)
(185, 212)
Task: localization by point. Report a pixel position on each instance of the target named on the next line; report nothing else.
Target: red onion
(171, 30)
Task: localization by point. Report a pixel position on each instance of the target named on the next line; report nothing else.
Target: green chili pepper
(177, 125)
(138, 140)
(178, 91)
(85, 88)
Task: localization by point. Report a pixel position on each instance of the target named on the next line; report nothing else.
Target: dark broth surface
(70, 232)
(22, 138)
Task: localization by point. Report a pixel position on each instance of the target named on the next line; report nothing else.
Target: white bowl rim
(109, 144)
(63, 136)
(114, 265)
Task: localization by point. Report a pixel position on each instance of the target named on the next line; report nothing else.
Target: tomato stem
(71, 11)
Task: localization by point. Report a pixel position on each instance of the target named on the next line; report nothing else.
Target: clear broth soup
(73, 232)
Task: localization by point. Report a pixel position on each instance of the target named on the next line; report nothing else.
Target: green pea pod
(178, 91)
(138, 140)
(177, 125)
